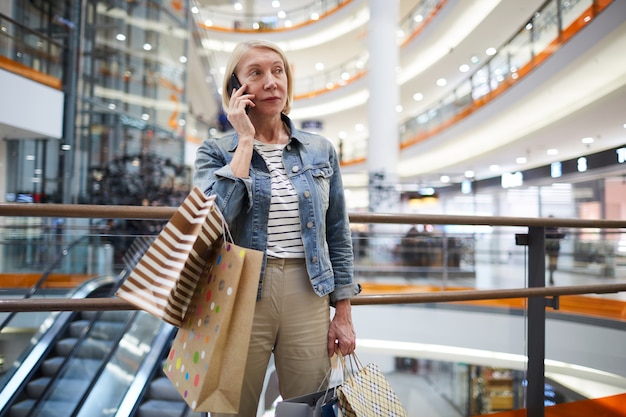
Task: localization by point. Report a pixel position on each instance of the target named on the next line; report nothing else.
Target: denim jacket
(313, 167)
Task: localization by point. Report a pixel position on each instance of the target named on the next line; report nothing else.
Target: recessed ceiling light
(441, 82)
(491, 51)
(399, 108)
(238, 6)
(494, 168)
(282, 14)
(464, 68)
(359, 127)
(120, 37)
(420, 97)
(587, 140)
(445, 179)
(469, 174)
(521, 160)
(552, 151)
(276, 4)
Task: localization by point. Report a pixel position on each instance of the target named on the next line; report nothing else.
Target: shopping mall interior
(464, 130)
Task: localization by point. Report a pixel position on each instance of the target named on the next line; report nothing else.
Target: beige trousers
(291, 321)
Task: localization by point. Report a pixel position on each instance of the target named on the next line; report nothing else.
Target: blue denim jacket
(313, 167)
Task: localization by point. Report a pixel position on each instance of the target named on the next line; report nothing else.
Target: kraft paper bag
(207, 360)
(163, 281)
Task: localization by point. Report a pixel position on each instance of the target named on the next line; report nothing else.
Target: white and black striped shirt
(284, 237)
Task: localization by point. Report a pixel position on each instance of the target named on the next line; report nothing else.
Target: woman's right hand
(237, 114)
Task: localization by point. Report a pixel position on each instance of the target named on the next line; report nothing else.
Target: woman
(281, 192)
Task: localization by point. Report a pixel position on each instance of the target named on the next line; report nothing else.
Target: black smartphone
(233, 84)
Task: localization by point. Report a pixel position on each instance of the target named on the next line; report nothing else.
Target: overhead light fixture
(120, 37)
(276, 4)
(444, 179)
(491, 51)
(420, 97)
(587, 140)
(441, 82)
(521, 160)
(552, 151)
(464, 68)
(494, 168)
(469, 174)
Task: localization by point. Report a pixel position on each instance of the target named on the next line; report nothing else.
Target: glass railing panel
(572, 10)
(30, 48)
(545, 27)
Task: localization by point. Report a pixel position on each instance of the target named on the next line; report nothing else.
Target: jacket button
(295, 169)
(307, 194)
(288, 147)
(309, 225)
(314, 259)
(319, 288)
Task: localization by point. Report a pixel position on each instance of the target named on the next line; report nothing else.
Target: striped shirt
(284, 238)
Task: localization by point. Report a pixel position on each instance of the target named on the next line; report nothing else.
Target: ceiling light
(441, 82)
(587, 140)
(464, 68)
(494, 168)
(282, 14)
(147, 47)
(276, 4)
(529, 26)
(474, 59)
(399, 33)
(469, 174)
(491, 51)
(208, 23)
(238, 6)
(120, 37)
(182, 59)
(420, 97)
(287, 23)
(521, 160)
(315, 16)
(624, 125)
(552, 151)
(195, 10)
(445, 179)
(145, 117)
(399, 108)
(359, 127)
(342, 135)
(345, 76)
(319, 66)
(418, 18)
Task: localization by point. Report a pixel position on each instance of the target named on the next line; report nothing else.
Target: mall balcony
(465, 325)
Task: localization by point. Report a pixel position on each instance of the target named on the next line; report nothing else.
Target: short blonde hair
(235, 58)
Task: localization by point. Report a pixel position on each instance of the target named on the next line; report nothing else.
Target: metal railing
(539, 297)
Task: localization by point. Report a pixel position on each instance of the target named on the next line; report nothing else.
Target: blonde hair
(235, 58)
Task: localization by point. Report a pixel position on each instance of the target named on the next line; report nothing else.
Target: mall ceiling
(579, 93)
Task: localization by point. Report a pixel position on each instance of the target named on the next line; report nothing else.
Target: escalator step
(163, 389)
(67, 389)
(77, 368)
(105, 330)
(119, 316)
(49, 409)
(90, 348)
(159, 408)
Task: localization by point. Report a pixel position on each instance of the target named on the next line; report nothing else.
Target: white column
(383, 147)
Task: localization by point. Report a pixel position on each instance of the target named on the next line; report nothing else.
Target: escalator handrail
(45, 343)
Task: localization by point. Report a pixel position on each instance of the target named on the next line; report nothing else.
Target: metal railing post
(536, 323)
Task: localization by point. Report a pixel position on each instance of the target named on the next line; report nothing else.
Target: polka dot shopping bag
(208, 356)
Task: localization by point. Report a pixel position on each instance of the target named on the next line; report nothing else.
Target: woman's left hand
(341, 334)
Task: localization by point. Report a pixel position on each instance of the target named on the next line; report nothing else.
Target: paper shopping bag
(367, 393)
(165, 277)
(207, 360)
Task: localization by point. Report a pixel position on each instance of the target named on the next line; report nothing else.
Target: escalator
(93, 364)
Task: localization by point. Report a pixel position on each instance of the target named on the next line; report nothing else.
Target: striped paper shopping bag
(163, 281)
